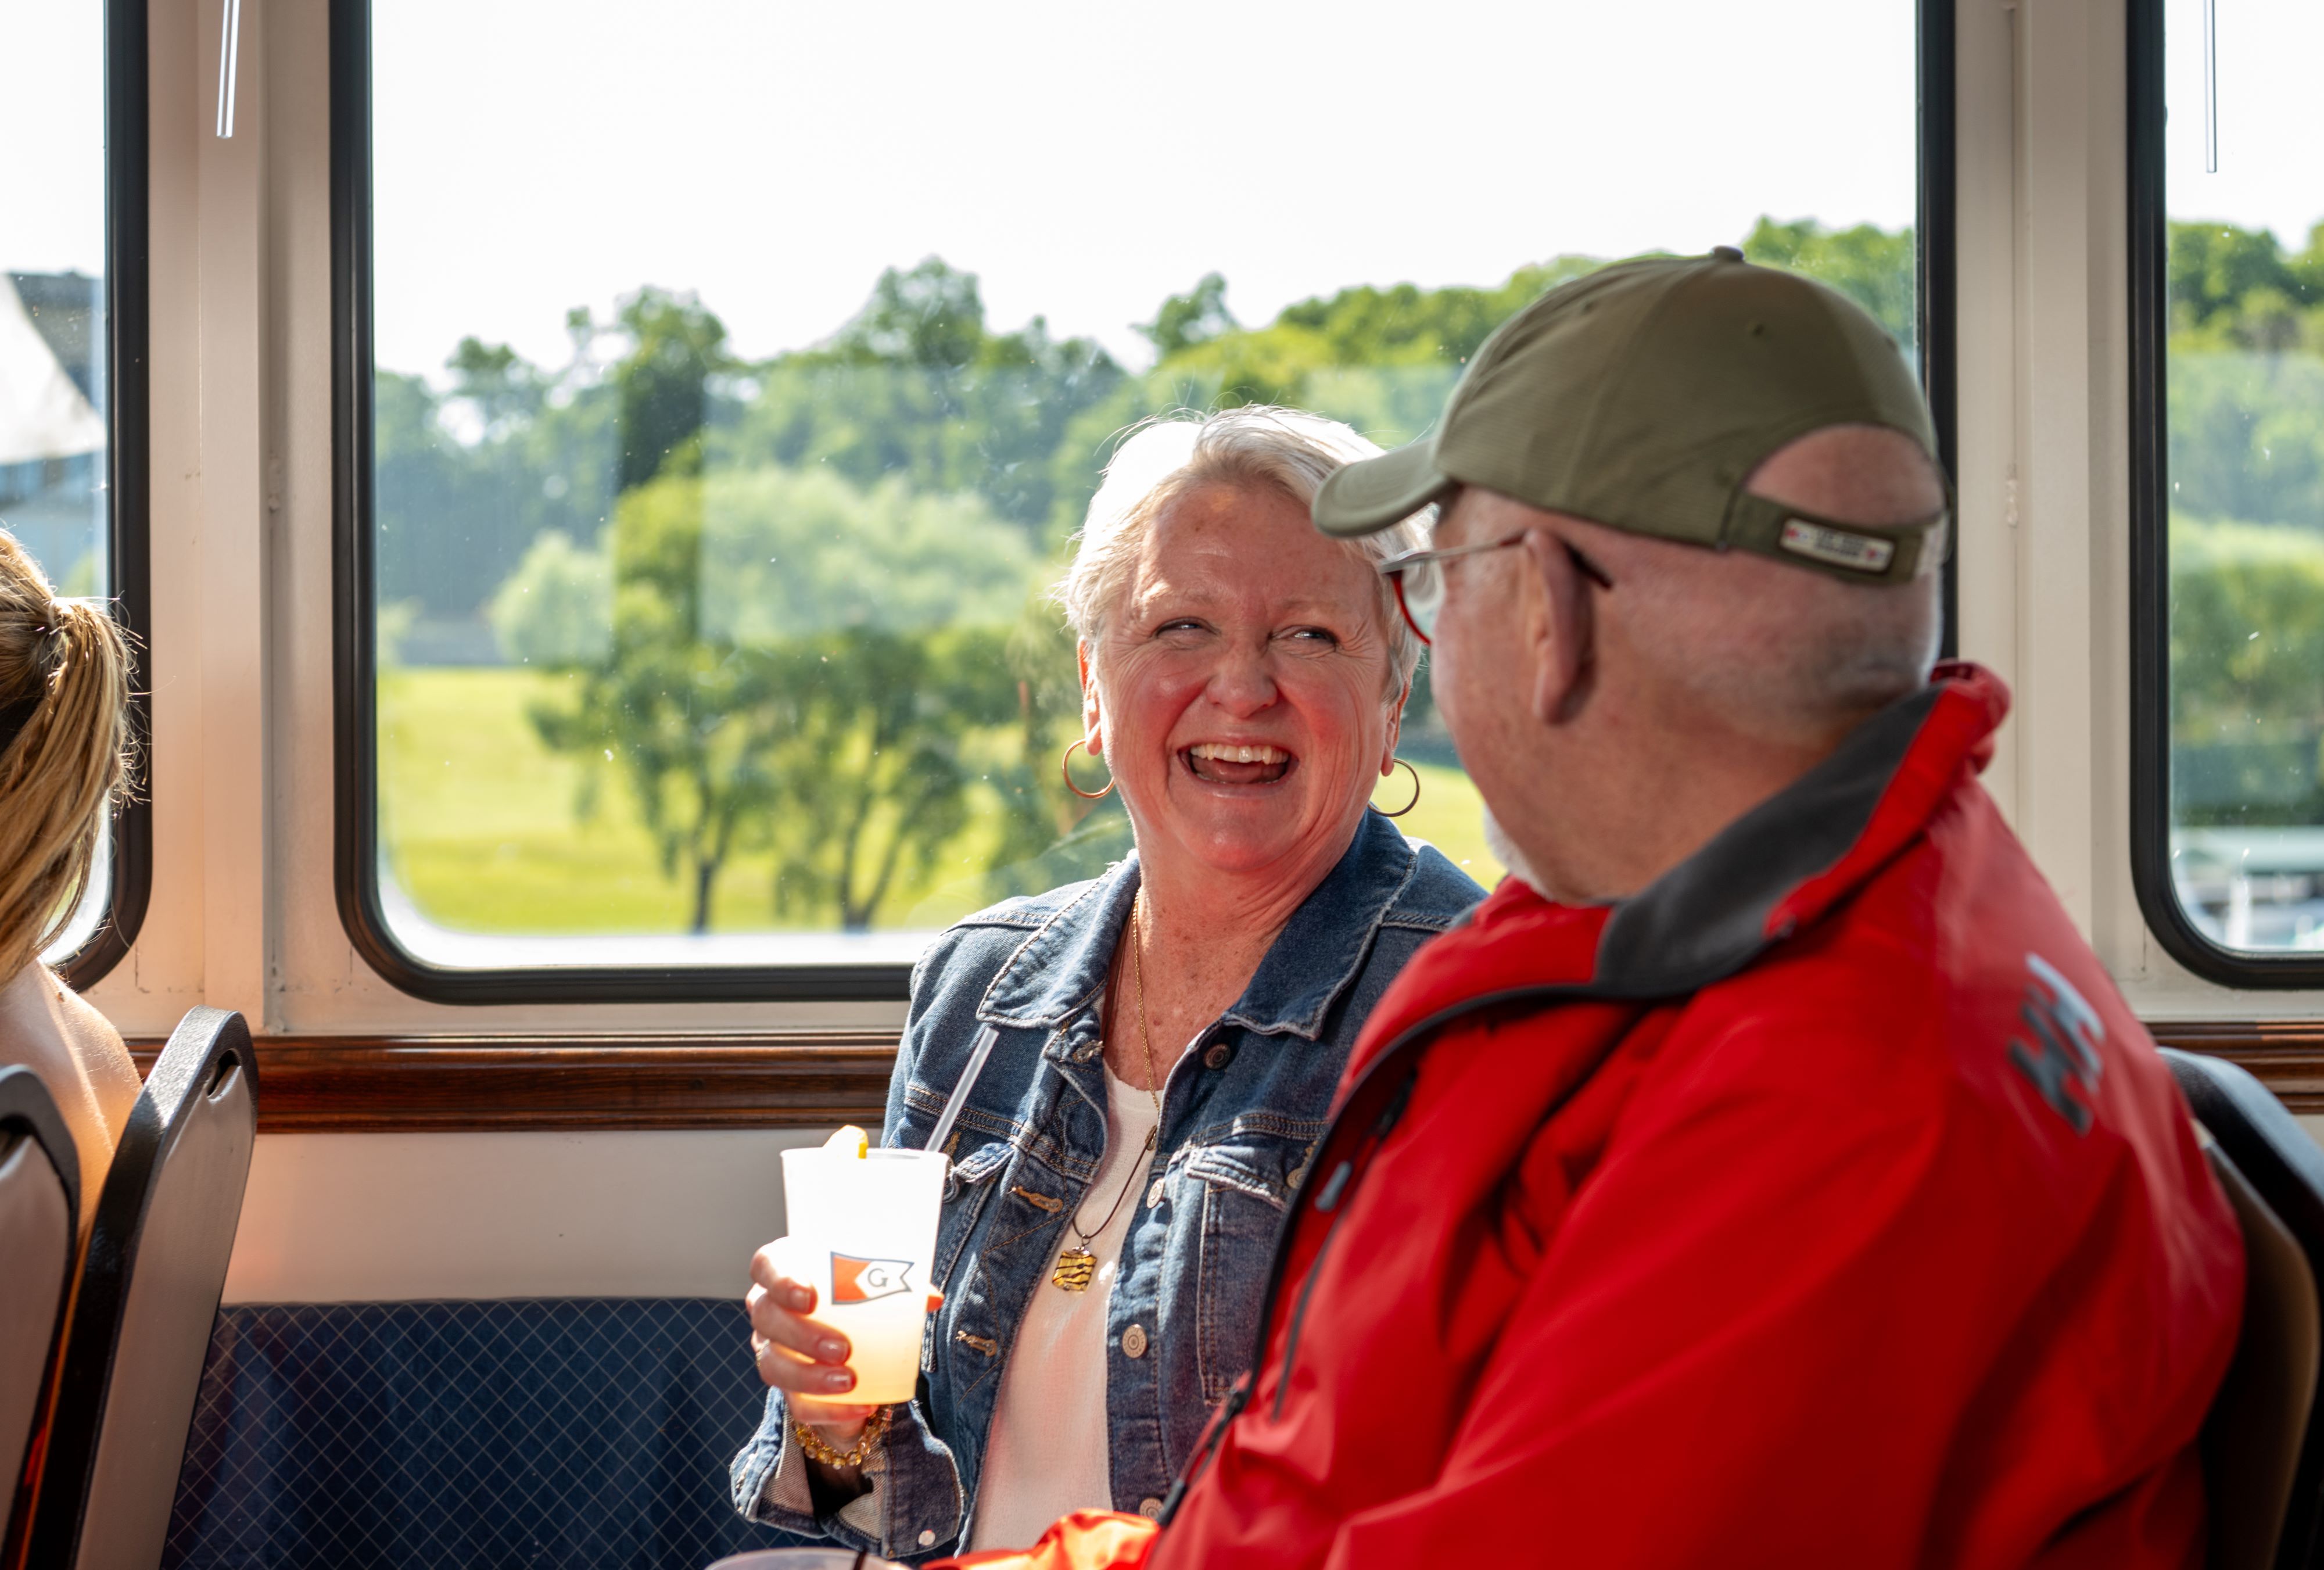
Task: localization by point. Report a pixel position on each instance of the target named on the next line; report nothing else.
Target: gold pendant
(1076, 1268)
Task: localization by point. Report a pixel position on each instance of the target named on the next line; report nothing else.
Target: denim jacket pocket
(1245, 1184)
(968, 1187)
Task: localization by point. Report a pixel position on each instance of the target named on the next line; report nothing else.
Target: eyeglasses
(1419, 578)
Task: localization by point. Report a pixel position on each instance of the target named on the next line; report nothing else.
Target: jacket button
(1221, 1054)
(1133, 1342)
(1150, 1508)
(927, 1537)
(1154, 1194)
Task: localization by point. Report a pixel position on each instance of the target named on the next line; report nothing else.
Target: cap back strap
(1862, 553)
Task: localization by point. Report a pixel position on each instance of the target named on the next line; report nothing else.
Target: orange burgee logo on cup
(854, 1281)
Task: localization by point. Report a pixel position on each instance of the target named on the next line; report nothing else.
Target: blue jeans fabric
(1240, 1113)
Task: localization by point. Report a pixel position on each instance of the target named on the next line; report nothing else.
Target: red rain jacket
(1823, 1205)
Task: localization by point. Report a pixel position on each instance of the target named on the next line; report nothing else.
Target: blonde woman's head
(64, 750)
(1259, 445)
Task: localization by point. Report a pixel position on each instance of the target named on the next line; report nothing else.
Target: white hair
(1258, 444)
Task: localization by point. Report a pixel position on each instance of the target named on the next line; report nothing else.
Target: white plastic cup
(863, 1233)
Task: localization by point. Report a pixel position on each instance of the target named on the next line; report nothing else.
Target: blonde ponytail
(64, 693)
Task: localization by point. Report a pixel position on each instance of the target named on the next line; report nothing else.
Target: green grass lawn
(479, 823)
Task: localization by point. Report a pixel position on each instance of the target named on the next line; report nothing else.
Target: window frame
(353, 632)
(128, 472)
(2148, 217)
(355, 647)
(1936, 296)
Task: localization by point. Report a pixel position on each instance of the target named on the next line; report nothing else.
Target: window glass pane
(2245, 390)
(54, 498)
(741, 378)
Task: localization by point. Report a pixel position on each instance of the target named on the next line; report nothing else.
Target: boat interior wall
(343, 1218)
(244, 907)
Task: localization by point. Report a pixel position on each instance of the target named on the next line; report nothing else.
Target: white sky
(52, 125)
(2271, 143)
(1087, 160)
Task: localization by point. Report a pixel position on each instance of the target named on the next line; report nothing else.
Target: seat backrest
(2274, 1172)
(149, 1293)
(39, 1223)
(2258, 1421)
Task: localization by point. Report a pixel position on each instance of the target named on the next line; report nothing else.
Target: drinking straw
(983, 1050)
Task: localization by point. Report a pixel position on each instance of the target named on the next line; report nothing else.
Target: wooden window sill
(375, 1083)
(372, 1083)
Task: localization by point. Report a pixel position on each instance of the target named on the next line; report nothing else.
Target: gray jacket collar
(1059, 969)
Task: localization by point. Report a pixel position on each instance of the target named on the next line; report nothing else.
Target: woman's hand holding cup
(801, 1357)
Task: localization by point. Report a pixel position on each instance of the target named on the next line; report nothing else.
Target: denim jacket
(1241, 1113)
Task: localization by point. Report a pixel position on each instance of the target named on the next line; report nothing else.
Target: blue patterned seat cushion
(565, 1434)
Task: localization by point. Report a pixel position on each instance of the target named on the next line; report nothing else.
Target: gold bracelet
(818, 1449)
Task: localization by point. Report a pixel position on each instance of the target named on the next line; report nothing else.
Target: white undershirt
(1047, 1453)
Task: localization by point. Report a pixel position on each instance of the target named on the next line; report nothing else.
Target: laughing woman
(1168, 1035)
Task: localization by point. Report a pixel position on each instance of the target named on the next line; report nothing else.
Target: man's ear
(1564, 634)
(1093, 714)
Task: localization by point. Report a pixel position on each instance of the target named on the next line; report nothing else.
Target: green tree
(1195, 316)
(804, 666)
(915, 387)
(2245, 398)
(871, 734)
(932, 315)
(810, 628)
(673, 712)
(1873, 267)
(1341, 352)
(663, 383)
(2247, 628)
(502, 387)
(2236, 288)
(2245, 393)
(2246, 672)
(786, 553)
(1049, 836)
(557, 608)
(464, 480)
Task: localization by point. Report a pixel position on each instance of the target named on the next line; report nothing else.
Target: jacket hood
(1773, 870)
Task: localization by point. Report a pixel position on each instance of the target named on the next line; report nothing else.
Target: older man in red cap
(1768, 1174)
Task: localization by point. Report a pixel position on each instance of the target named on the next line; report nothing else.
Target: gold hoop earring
(1409, 806)
(1065, 767)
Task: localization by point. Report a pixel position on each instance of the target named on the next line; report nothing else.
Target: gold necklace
(1076, 1266)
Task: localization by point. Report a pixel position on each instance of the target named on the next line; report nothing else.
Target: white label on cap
(1858, 552)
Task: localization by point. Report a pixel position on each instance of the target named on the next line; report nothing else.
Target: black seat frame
(27, 1111)
(207, 1045)
(2285, 1168)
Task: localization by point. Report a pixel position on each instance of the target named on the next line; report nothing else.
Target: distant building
(53, 495)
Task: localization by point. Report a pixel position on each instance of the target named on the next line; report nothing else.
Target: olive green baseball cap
(1643, 395)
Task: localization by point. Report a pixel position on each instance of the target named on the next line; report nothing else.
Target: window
(71, 401)
(2230, 243)
(724, 382)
